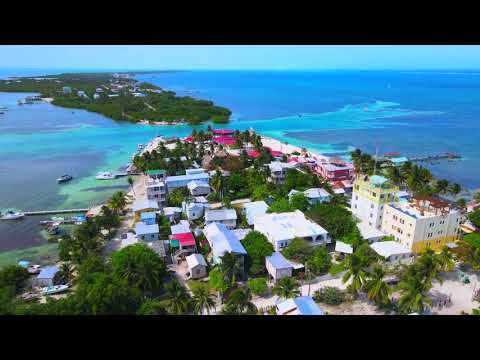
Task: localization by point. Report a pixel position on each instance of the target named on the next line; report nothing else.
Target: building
(222, 240)
(369, 197)
(302, 305)
(183, 180)
(172, 213)
(423, 222)
(343, 248)
(254, 209)
(227, 217)
(157, 174)
(182, 227)
(128, 239)
(67, 90)
(197, 266)
(278, 171)
(46, 275)
(146, 232)
(224, 140)
(194, 210)
(314, 195)
(278, 266)
(335, 169)
(199, 188)
(140, 206)
(159, 248)
(156, 190)
(149, 218)
(281, 229)
(392, 251)
(184, 241)
(81, 93)
(369, 233)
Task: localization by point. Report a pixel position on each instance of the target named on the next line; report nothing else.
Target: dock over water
(52, 212)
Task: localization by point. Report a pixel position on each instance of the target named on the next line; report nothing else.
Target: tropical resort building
(227, 217)
(281, 229)
(392, 251)
(302, 305)
(422, 222)
(369, 197)
(254, 209)
(334, 169)
(157, 174)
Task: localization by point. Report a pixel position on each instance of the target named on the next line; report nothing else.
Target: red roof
(223, 132)
(293, 159)
(276, 153)
(224, 140)
(189, 138)
(185, 239)
(253, 153)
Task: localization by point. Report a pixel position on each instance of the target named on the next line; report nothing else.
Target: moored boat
(64, 178)
(12, 215)
(54, 289)
(105, 175)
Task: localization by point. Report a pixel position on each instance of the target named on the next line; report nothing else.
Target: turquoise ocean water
(330, 112)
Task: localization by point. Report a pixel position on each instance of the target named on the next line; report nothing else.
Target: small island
(120, 97)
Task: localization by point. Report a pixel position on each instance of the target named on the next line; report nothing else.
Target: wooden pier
(449, 156)
(52, 212)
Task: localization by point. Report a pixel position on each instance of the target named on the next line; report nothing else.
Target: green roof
(156, 172)
(174, 243)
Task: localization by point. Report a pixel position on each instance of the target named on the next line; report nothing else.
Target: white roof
(182, 227)
(343, 247)
(254, 209)
(195, 260)
(287, 225)
(219, 215)
(241, 233)
(130, 240)
(196, 183)
(171, 210)
(339, 191)
(302, 305)
(369, 232)
(315, 193)
(143, 229)
(139, 205)
(389, 248)
(200, 199)
(222, 240)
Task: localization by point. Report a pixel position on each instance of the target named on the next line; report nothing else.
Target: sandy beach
(277, 145)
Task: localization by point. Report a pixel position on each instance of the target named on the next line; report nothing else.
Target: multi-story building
(421, 223)
(155, 187)
(369, 197)
(334, 169)
(278, 170)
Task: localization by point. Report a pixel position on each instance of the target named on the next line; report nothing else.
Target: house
(227, 217)
(370, 233)
(392, 251)
(128, 239)
(223, 132)
(334, 169)
(398, 161)
(159, 248)
(155, 186)
(302, 305)
(472, 205)
(281, 229)
(278, 171)
(222, 240)
(67, 90)
(224, 140)
(96, 96)
(183, 180)
(149, 218)
(81, 93)
(183, 241)
(46, 276)
(254, 209)
(140, 206)
(278, 266)
(197, 266)
(182, 227)
(343, 248)
(157, 174)
(198, 188)
(314, 195)
(146, 232)
(194, 210)
(172, 213)
(241, 233)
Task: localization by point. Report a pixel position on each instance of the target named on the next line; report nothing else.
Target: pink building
(335, 170)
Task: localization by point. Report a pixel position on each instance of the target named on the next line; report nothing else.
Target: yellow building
(369, 197)
(422, 223)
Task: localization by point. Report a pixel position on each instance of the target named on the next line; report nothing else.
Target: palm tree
(230, 266)
(455, 189)
(445, 259)
(131, 182)
(355, 265)
(442, 186)
(286, 288)
(413, 296)
(177, 298)
(476, 196)
(203, 300)
(428, 266)
(117, 202)
(65, 273)
(377, 289)
(217, 182)
(239, 303)
(394, 175)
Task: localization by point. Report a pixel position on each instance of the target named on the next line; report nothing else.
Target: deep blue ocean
(413, 112)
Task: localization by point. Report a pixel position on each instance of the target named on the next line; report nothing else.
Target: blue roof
(148, 215)
(377, 180)
(399, 159)
(222, 239)
(144, 229)
(306, 306)
(187, 178)
(278, 261)
(48, 272)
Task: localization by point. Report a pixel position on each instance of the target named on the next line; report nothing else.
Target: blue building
(149, 218)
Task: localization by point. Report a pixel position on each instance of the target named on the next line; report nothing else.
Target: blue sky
(290, 57)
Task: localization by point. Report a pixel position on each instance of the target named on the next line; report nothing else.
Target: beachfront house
(198, 188)
(302, 305)
(46, 275)
(254, 209)
(155, 187)
(149, 218)
(183, 180)
(140, 206)
(197, 266)
(157, 174)
(281, 229)
(146, 232)
(222, 240)
(392, 251)
(227, 217)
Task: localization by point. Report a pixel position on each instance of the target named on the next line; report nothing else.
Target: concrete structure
(146, 232)
(183, 180)
(278, 170)
(334, 169)
(158, 174)
(199, 188)
(227, 217)
(302, 305)
(197, 266)
(281, 229)
(314, 195)
(278, 266)
(422, 223)
(159, 248)
(140, 206)
(254, 209)
(46, 276)
(222, 240)
(392, 251)
(369, 233)
(370, 195)
(156, 190)
(67, 90)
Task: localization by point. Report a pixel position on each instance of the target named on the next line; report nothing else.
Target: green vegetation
(258, 247)
(337, 220)
(258, 286)
(239, 303)
(286, 288)
(474, 217)
(177, 196)
(329, 295)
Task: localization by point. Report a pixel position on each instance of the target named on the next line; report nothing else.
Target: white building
(156, 190)
(392, 251)
(146, 232)
(194, 210)
(370, 195)
(278, 266)
(254, 209)
(181, 228)
(313, 195)
(343, 248)
(222, 240)
(278, 170)
(302, 305)
(227, 217)
(369, 233)
(172, 213)
(198, 188)
(281, 229)
(183, 180)
(197, 266)
(422, 223)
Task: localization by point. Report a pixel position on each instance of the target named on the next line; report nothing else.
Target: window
(356, 197)
(371, 215)
(355, 206)
(371, 206)
(432, 224)
(374, 194)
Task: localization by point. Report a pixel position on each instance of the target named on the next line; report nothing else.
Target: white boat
(140, 146)
(64, 178)
(105, 175)
(54, 289)
(12, 215)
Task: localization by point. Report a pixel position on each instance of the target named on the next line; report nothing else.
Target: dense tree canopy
(258, 247)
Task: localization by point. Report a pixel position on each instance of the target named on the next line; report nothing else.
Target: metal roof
(222, 240)
(302, 305)
(219, 215)
(278, 261)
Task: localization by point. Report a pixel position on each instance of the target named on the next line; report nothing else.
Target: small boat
(30, 296)
(54, 289)
(57, 219)
(64, 178)
(33, 269)
(12, 215)
(105, 175)
(140, 146)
